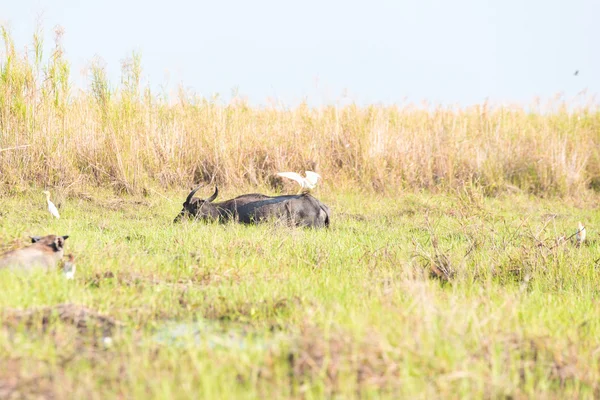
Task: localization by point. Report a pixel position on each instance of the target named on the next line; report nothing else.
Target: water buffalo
(45, 253)
(297, 210)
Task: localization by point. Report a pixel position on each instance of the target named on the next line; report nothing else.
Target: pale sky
(381, 51)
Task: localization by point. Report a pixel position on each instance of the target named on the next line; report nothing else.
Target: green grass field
(410, 296)
(442, 275)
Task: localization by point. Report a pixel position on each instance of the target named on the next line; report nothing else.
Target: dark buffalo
(297, 210)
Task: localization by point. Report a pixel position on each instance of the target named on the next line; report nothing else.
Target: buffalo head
(199, 208)
(50, 242)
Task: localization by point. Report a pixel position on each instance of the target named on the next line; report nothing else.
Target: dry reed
(130, 138)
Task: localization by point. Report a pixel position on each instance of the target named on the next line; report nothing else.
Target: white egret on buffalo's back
(51, 207)
(306, 183)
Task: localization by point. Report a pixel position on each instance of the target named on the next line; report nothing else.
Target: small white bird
(51, 207)
(107, 341)
(307, 183)
(69, 267)
(580, 234)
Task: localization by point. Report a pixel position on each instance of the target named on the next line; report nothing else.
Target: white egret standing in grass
(580, 234)
(307, 183)
(51, 207)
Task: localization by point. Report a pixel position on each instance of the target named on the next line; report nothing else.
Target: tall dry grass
(130, 138)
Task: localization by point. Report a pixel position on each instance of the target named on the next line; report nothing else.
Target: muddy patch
(14, 384)
(315, 356)
(86, 321)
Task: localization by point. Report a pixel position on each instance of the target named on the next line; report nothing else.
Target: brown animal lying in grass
(45, 253)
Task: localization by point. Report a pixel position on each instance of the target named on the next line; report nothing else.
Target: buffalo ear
(179, 216)
(35, 239)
